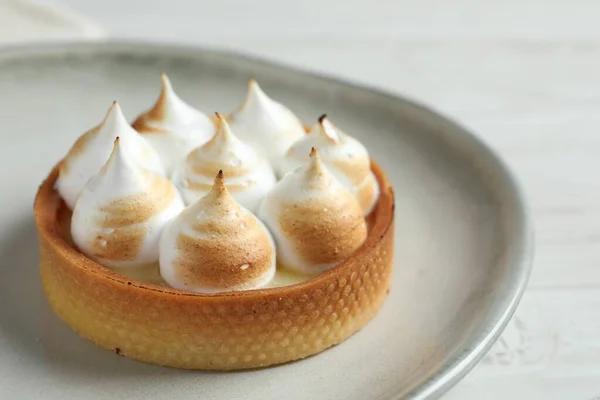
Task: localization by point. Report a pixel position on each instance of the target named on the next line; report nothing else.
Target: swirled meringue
(121, 212)
(173, 127)
(345, 157)
(249, 175)
(266, 124)
(91, 151)
(315, 221)
(216, 245)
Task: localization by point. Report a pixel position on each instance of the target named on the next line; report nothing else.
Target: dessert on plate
(236, 242)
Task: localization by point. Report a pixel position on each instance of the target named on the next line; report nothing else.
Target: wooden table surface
(523, 74)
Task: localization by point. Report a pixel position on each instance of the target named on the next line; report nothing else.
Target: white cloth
(30, 21)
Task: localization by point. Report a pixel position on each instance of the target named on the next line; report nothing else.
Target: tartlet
(222, 331)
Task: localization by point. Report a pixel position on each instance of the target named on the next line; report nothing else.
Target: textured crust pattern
(224, 331)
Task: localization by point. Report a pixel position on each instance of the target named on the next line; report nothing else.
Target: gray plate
(463, 246)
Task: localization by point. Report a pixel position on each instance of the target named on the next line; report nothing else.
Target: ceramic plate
(462, 235)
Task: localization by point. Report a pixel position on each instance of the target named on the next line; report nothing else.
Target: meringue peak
(257, 102)
(119, 215)
(218, 200)
(206, 246)
(223, 133)
(166, 99)
(315, 165)
(309, 178)
(249, 174)
(265, 124)
(316, 174)
(114, 121)
(120, 169)
(325, 128)
(224, 145)
(173, 127)
(92, 150)
(167, 88)
(169, 104)
(343, 156)
(219, 190)
(256, 96)
(116, 149)
(314, 219)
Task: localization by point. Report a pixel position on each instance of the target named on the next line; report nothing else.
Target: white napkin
(24, 21)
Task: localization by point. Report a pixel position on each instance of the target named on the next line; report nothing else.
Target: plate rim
(464, 359)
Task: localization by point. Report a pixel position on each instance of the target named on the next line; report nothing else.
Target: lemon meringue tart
(223, 283)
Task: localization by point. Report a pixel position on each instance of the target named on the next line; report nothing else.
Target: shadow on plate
(34, 331)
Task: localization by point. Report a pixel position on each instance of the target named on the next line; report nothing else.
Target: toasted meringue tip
(166, 82)
(117, 148)
(315, 164)
(115, 154)
(115, 107)
(114, 113)
(255, 95)
(219, 184)
(328, 129)
(166, 90)
(223, 130)
(218, 189)
(254, 89)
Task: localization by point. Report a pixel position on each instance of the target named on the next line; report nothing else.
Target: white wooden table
(523, 74)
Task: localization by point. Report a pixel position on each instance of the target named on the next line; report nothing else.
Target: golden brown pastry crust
(223, 331)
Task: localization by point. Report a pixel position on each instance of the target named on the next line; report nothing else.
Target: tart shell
(223, 331)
